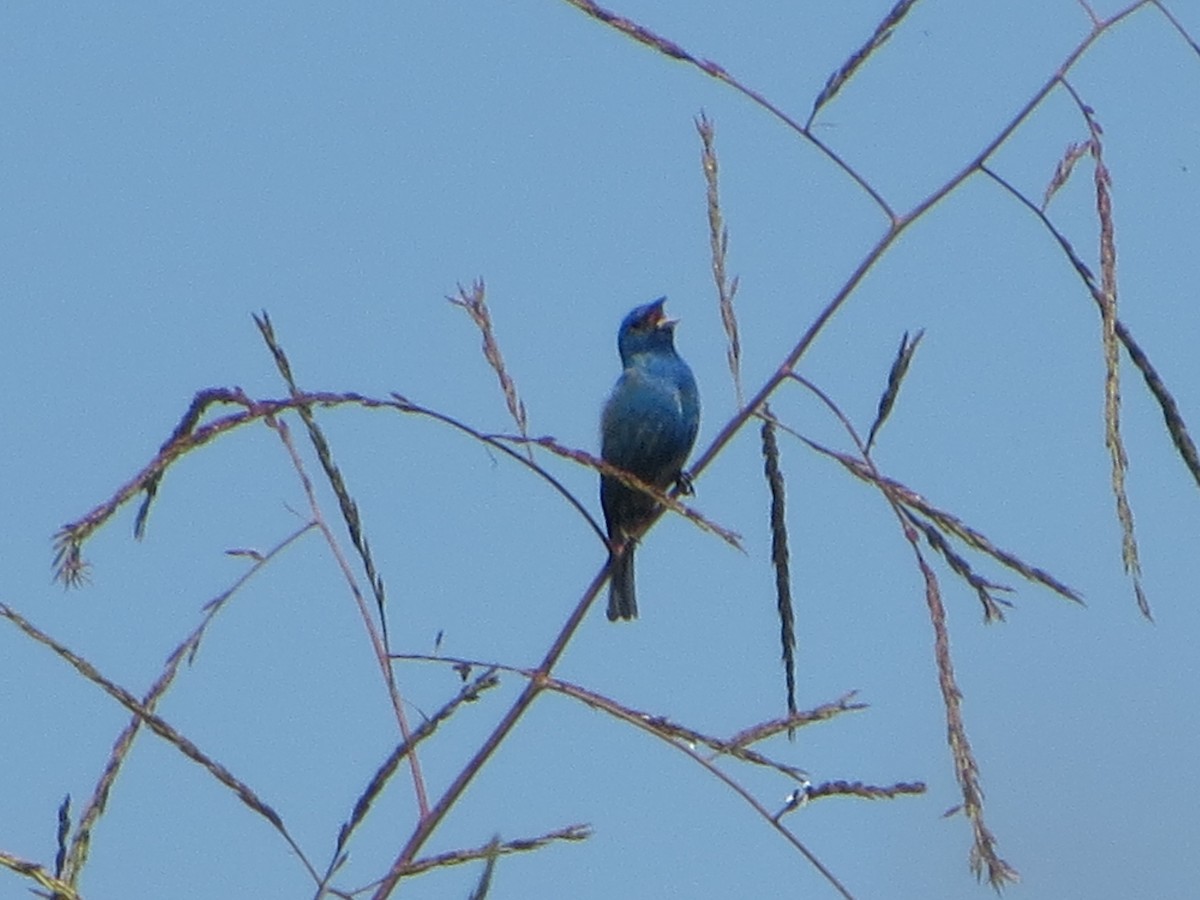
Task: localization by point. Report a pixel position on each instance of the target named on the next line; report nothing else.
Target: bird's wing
(643, 427)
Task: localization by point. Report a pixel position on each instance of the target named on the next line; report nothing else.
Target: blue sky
(168, 172)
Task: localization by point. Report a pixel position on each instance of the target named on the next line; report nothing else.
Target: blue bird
(647, 428)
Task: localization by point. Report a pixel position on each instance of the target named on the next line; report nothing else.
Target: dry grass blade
(162, 729)
(59, 890)
(191, 418)
(333, 474)
(680, 739)
(1062, 171)
(639, 33)
(492, 848)
(475, 303)
(1178, 26)
(484, 885)
(532, 690)
(1176, 426)
(664, 727)
(992, 605)
(1112, 358)
(983, 850)
(64, 831)
(752, 735)
(81, 844)
(69, 565)
(736, 747)
(895, 378)
(1112, 388)
(878, 38)
(669, 501)
(378, 643)
(377, 637)
(904, 500)
(77, 855)
(822, 713)
(719, 241)
(954, 526)
(802, 796)
(779, 558)
(684, 741)
(948, 523)
(468, 693)
(866, 791)
(403, 404)
(72, 570)
(673, 50)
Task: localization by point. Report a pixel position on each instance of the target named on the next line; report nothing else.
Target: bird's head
(646, 330)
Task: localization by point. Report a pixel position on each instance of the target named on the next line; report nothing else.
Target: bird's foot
(684, 484)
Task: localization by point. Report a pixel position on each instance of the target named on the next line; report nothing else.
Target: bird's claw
(684, 484)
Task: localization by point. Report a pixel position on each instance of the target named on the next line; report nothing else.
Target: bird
(647, 428)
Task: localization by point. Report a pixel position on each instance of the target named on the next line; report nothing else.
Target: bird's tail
(622, 598)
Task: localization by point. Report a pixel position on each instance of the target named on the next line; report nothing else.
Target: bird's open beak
(661, 320)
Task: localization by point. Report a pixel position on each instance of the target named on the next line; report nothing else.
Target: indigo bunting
(647, 428)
